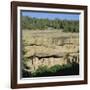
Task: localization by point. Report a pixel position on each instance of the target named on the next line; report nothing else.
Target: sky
(62, 16)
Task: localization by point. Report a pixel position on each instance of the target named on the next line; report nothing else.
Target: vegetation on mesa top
(47, 24)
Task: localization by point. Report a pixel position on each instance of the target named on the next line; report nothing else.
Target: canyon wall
(45, 48)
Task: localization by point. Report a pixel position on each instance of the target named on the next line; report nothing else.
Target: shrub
(26, 74)
(41, 71)
(66, 66)
(56, 70)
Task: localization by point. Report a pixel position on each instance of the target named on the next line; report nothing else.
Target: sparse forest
(49, 24)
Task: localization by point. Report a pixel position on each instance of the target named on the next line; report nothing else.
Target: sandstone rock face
(50, 48)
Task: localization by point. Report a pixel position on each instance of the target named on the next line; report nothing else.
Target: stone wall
(34, 62)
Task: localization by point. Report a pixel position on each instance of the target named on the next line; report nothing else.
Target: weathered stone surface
(51, 49)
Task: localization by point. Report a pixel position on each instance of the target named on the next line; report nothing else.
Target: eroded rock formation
(51, 50)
